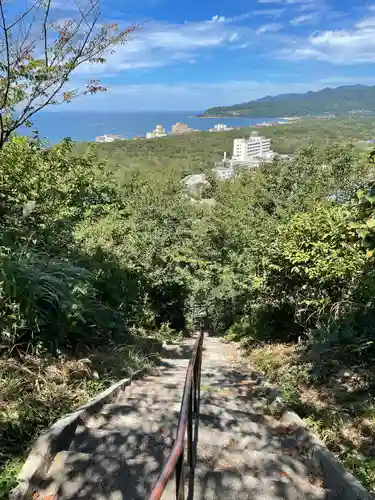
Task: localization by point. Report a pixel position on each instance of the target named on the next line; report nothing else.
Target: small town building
(220, 127)
(180, 128)
(108, 138)
(159, 131)
(223, 173)
(194, 181)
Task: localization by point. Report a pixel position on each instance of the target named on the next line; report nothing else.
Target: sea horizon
(54, 126)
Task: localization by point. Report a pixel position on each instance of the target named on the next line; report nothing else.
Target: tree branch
(35, 81)
(8, 69)
(45, 31)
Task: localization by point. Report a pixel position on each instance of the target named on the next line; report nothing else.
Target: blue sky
(199, 53)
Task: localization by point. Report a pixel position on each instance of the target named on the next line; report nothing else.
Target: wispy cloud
(288, 2)
(276, 12)
(351, 46)
(203, 95)
(269, 28)
(366, 23)
(311, 18)
(161, 44)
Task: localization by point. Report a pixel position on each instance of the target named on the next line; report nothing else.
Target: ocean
(85, 126)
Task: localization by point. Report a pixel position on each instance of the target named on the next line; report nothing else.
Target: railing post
(180, 486)
(191, 445)
(198, 385)
(190, 431)
(187, 424)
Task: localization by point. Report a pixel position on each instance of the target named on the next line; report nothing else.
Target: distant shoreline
(219, 117)
(288, 118)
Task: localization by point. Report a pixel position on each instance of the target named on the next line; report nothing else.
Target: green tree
(39, 52)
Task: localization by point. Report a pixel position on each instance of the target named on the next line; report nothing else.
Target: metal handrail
(189, 417)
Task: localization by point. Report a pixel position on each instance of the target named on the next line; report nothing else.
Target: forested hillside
(101, 249)
(104, 257)
(341, 100)
(196, 151)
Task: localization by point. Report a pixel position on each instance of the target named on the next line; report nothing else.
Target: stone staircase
(242, 453)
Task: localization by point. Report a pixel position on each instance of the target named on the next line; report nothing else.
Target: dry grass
(36, 391)
(339, 407)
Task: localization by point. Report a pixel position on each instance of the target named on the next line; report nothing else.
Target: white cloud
(353, 46)
(268, 12)
(269, 28)
(192, 95)
(233, 37)
(69, 5)
(366, 23)
(305, 19)
(289, 2)
(217, 19)
(160, 44)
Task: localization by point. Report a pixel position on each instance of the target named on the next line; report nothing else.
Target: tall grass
(48, 301)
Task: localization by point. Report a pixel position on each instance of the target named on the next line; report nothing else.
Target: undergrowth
(36, 390)
(95, 258)
(336, 402)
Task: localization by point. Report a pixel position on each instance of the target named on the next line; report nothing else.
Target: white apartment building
(220, 127)
(255, 145)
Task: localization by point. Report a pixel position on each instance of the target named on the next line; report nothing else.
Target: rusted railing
(187, 428)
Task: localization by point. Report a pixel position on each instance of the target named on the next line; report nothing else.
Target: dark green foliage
(93, 253)
(88, 253)
(341, 100)
(195, 152)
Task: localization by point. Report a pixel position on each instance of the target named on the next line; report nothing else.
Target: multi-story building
(180, 128)
(159, 131)
(223, 173)
(220, 127)
(255, 145)
(108, 138)
(248, 153)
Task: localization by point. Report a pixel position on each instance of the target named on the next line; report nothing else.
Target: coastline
(216, 117)
(210, 117)
(222, 117)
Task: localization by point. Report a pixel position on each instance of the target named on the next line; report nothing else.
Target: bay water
(85, 126)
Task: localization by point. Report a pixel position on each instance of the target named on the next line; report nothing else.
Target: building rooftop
(193, 179)
(222, 169)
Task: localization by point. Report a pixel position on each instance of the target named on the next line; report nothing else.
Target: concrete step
(234, 484)
(131, 476)
(256, 474)
(120, 415)
(84, 476)
(124, 440)
(119, 453)
(222, 432)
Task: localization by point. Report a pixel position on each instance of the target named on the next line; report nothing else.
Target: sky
(191, 55)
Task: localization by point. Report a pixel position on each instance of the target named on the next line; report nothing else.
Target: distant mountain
(340, 100)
